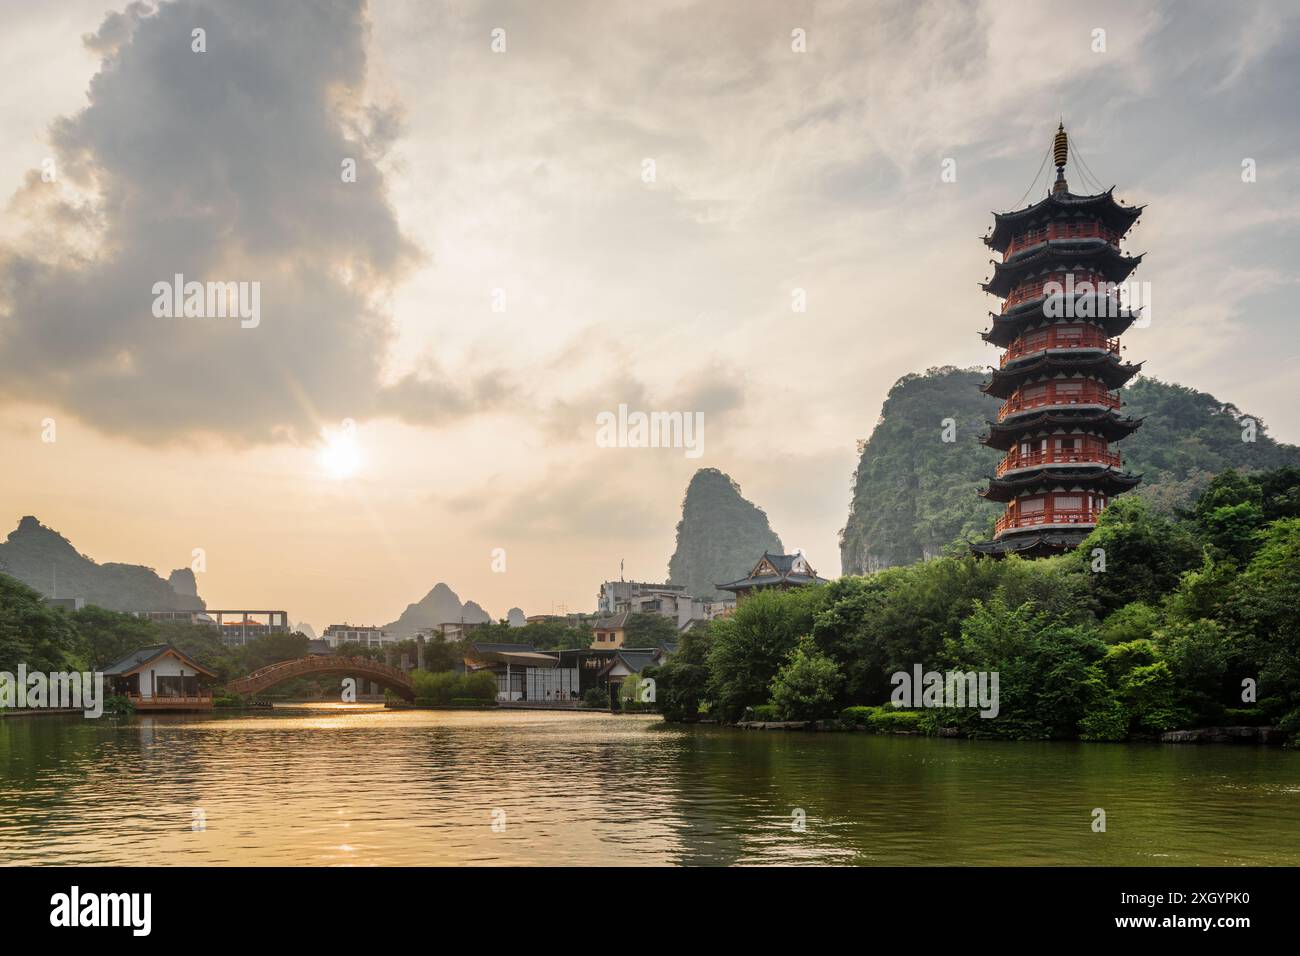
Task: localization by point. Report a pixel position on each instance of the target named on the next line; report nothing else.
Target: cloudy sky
(437, 337)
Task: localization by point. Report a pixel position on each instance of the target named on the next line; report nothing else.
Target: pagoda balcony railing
(1091, 454)
(1048, 516)
(1033, 288)
(1066, 337)
(1053, 394)
(1060, 230)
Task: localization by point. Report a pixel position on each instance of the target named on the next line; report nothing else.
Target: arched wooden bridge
(385, 675)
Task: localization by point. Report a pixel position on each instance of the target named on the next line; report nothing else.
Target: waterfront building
(1060, 371)
(627, 664)
(159, 677)
(523, 672)
(779, 571)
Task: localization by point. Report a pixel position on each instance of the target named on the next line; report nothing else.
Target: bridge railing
(312, 665)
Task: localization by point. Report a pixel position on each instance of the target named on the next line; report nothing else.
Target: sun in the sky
(339, 456)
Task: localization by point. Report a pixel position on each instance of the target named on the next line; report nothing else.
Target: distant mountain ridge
(440, 606)
(915, 495)
(43, 559)
(720, 536)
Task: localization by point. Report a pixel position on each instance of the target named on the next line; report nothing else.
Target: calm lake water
(355, 784)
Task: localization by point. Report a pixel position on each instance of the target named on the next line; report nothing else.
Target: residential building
(608, 633)
(638, 597)
(365, 635)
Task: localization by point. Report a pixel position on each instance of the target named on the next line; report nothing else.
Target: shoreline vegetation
(1181, 628)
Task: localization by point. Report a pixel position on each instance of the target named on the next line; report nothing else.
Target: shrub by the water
(1193, 622)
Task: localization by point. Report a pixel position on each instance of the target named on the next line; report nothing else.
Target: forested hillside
(914, 494)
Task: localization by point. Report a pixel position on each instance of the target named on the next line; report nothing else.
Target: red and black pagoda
(1060, 371)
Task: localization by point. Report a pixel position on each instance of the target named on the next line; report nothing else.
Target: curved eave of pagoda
(1010, 326)
(1100, 478)
(1098, 363)
(1107, 424)
(1100, 257)
(1031, 542)
(1101, 207)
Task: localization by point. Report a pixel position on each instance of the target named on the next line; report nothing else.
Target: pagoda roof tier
(1100, 257)
(1010, 326)
(1107, 424)
(1097, 363)
(1032, 543)
(1102, 208)
(1048, 477)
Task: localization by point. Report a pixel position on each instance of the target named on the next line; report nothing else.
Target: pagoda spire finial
(1060, 154)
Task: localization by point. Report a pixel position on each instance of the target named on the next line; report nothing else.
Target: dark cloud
(224, 166)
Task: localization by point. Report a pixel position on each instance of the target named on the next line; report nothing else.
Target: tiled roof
(143, 655)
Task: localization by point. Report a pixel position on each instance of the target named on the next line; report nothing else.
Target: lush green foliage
(445, 687)
(884, 720)
(649, 630)
(749, 647)
(1156, 622)
(807, 685)
(543, 635)
(682, 682)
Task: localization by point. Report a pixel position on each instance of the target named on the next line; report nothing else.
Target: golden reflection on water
(356, 785)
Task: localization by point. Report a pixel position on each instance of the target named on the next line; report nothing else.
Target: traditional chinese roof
(1100, 208)
(1007, 327)
(1096, 256)
(1047, 477)
(1097, 363)
(613, 622)
(1107, 424)
(776, 569)
(1033, 543)
(635, 659)
(141, 657)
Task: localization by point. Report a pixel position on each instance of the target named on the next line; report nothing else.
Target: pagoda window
(1031, 506)
(1069, 502)
(1033, 391)
(1069, 388)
